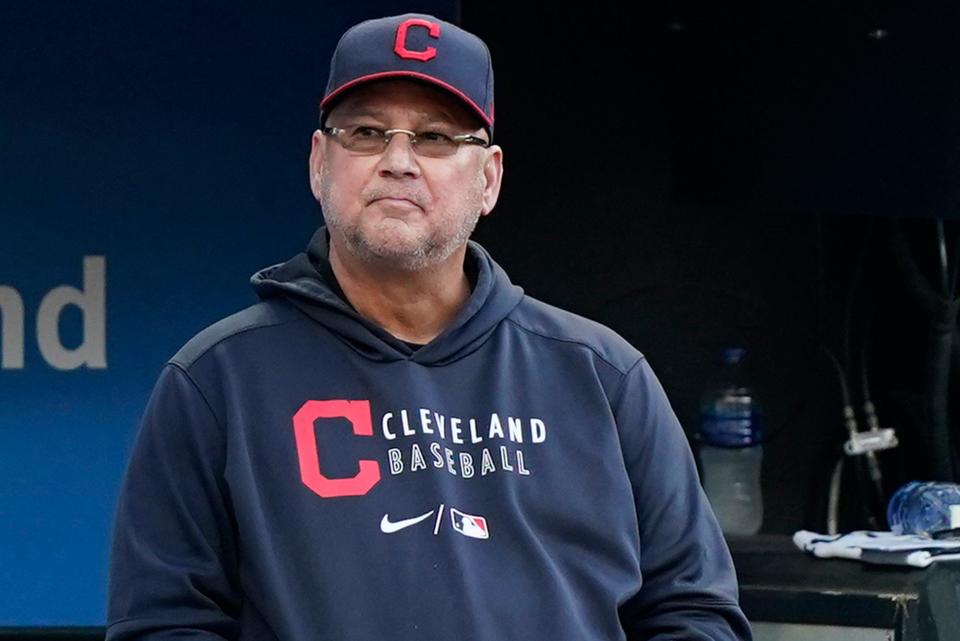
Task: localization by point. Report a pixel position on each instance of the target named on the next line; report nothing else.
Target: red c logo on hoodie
(359, 415)
(400, 46)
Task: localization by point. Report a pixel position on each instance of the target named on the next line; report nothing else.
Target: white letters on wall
(91, 301)
(11, 328)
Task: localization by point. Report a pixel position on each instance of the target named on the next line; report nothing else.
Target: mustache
(415, 196)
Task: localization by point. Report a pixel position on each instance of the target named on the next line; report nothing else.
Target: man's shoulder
(556, 324)
(258, 316)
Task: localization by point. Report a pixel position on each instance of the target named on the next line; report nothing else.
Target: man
(396, 443)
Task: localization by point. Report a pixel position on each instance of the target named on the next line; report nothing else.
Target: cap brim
(339, 91)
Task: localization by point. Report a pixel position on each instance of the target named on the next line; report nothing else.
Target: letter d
(92, 351)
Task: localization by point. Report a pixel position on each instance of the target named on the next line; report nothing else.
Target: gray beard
(429, 253)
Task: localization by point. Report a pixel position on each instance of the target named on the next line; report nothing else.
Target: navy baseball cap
(414, 46)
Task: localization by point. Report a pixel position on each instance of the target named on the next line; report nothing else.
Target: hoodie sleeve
(173, 571)
(689, 588)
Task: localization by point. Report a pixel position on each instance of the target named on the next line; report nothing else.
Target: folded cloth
(884, 548)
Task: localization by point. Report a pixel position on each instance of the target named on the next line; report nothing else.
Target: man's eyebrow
(440, 116)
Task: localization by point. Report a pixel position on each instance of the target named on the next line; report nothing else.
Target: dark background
(697, 176)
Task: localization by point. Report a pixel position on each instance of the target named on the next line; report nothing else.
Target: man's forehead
(373, 110)
(385, 98)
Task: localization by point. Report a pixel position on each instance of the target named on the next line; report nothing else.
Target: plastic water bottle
(924, 508)
(731, 450)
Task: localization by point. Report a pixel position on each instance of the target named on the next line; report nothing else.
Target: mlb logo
(469, 525)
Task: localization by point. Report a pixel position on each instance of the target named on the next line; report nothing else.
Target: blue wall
(167, 144)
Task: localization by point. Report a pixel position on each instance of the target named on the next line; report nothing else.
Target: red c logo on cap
(400, 47)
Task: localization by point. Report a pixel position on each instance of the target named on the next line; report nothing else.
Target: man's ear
(493, 176)
(317, 151)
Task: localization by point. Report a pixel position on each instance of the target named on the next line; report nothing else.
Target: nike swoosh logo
(389, 527)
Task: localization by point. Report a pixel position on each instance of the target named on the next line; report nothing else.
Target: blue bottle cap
(733, 355)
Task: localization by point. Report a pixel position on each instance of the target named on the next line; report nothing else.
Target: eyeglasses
(367, 141)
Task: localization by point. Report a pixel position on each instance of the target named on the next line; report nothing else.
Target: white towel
(885, 548)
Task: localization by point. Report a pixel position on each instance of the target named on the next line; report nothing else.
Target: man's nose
(399, 158)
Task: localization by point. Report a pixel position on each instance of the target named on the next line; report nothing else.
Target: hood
(304, 281)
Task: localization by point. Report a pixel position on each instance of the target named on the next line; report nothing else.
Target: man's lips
(397, 201)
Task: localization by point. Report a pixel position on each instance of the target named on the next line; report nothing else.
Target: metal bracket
(870, 441)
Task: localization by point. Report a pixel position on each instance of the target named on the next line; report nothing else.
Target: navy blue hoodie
(300, 474)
